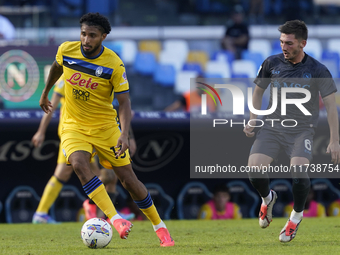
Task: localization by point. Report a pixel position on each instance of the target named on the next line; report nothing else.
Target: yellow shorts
(102, 140)
(61, 157)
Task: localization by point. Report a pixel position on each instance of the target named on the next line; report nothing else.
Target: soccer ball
(96, 233)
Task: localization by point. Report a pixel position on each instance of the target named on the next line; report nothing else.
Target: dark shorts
(271, 142)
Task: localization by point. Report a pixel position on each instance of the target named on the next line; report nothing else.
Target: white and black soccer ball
(96, 233)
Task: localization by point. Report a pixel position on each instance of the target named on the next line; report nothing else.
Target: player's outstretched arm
(125, 120)
(55, 72)
(333, 121)
(257, 102)
(39, 136)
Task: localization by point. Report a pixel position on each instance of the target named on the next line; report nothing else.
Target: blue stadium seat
(165, 75)
(283, 188)
(116, 46)
(256, 57)
(324, 191)
(223, 55)
(246, 199)
(212, 75)
(276, 45)
(192, 66)
(68, 205)
(145, 63)
(331, 60)
(21, 204)
(163, 202)
(189, 201)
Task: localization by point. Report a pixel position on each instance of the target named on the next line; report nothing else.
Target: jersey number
(114, 151)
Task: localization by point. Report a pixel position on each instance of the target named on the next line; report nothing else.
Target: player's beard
(292, 55)
(89, 53)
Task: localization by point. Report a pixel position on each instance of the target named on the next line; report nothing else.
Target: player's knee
(107, 176)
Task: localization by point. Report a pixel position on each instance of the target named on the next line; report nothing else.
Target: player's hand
(38, 139)
(334, 149)
(45, 104)
(248, 130)
(122, 145)
(132, 147)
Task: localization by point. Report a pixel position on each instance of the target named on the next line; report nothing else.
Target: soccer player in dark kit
(292, 68)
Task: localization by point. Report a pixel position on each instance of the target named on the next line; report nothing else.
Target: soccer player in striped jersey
(93, 76)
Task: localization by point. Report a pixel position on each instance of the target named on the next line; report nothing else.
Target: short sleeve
(119, 79)
(237, 212)
(205, 212)
(263, 75)
(59, 56)
(326, 83)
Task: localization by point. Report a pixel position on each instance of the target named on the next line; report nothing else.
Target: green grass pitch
(315, 236)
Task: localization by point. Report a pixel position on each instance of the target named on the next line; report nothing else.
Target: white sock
(160, 225)
(266, 200)
(296, 217)
(116, 217)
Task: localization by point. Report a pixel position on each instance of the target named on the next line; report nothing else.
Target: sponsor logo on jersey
(99, 71)
(80, 94)
(71, 62)
(275, 72)
(19, 75)
(75, 79)
(307, 76)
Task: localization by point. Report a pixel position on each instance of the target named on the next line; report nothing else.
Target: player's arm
(333, 121)
(257, 102)
(125, 120)
(55, 72)
(39, 136)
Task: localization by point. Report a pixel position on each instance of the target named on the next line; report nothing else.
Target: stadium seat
(0, 207)
(314, 46)
(324, 191)
(165, 75)
(223, 56)
(262, 46)
(192, 196)
(21, 204)
(116, 46)
(163, 202)
(218, 67)
(246, 199)
(256, 57)
(178, 48)
(333, 45)
(182, 82)
(283, 188)
(331, 60)
(193, 66)
(241, 66)
(69, 205)
(276, 45)
(145, 63)
(198, 57)
(150, 46)
(169, 58)
(212, 75)
(129, 51)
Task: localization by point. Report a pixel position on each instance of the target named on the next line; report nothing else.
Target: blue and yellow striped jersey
(90, 85)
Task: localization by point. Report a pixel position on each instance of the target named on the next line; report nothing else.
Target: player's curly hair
(295, 27)
(95, 19)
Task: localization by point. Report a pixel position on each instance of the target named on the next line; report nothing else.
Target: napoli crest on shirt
(99, 71)
(307, 76)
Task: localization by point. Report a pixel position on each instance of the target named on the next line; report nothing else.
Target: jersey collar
(82, 52)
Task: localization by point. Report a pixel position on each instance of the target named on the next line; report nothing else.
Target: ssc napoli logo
(19, 75)
(99, 71)
(307, 76)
